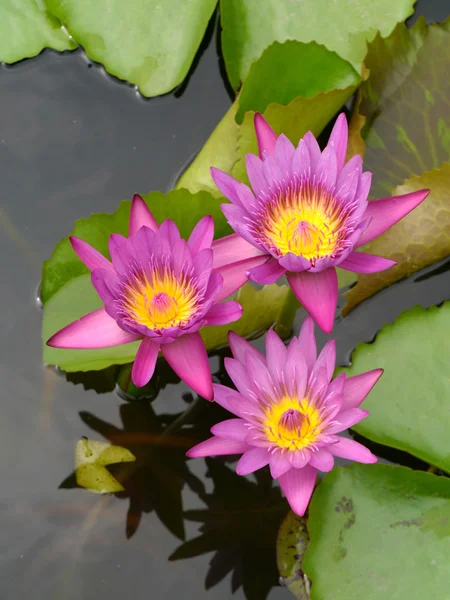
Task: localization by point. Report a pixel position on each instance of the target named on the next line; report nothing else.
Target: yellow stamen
(161, 301)
(305, 222)
(292, 424)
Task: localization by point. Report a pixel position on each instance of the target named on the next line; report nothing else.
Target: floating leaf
(147, 42)
(286, 71)
(91, 458)
(292, 542)
(404, 104)
(26, 28)
(379, 532)
(409, 406)
(343, 26)
(179, 205)
(419, 239)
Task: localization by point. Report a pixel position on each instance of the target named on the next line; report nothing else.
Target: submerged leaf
(184, 208)
(343, 26)
(286, 71)
(386, 534)
(404, 104)
(292, 541)
(401, 119)
(147, 42)
(419, 239)
(91, 458)
(409, 406)
(26, 28)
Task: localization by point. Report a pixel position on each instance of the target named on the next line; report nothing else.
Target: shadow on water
(74, 141)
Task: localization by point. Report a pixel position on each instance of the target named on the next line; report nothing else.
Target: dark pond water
(74, 141)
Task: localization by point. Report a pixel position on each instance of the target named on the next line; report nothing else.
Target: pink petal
(327, 359)
(95, 330)
(346, 448)
(318, 292)
(349, 178)
(279, 463)
(240, 348)
(255, 173)
(284, 151)
(267, 273)
(140, 216)
(259, 375)
(144, 363)
(252, 460)
(232, 248)
(276, 354)
(188, 358)
(326, 169)
(298, 486)
(238, 193)
(307, 343)
(347, 418)
(265, 136)
(313, 150)
(221, 395)
(217, 447)
(235, 275)
(361, 262)
(300, 160)
(233, 429)
(221, 314)
(202, 235)
(91, 257)
(272, 173)
(356, 388)
(338, 139)
(385, 212)
(322, 460)
(300, 458)
(238, 374)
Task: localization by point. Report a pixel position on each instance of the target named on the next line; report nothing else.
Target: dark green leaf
(409, 406)
(379, 532)
(147, 42)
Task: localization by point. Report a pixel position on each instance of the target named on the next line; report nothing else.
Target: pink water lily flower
(308, 213)
(289, 412)
(159, 289)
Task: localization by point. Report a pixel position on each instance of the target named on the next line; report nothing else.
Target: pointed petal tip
(265, 136)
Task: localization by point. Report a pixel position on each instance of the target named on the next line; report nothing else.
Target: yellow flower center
(292, 424)
(305, 221)
(161, 301)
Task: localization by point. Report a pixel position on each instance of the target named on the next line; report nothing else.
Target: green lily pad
(419, 239)
(146, 42)
(403, 105)
(91, 459)
(286, 71)
(409, 406)
(292, 541)
(344, 27)
(26, 28)
(379, 532)
(78, 297)
(184, 208)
